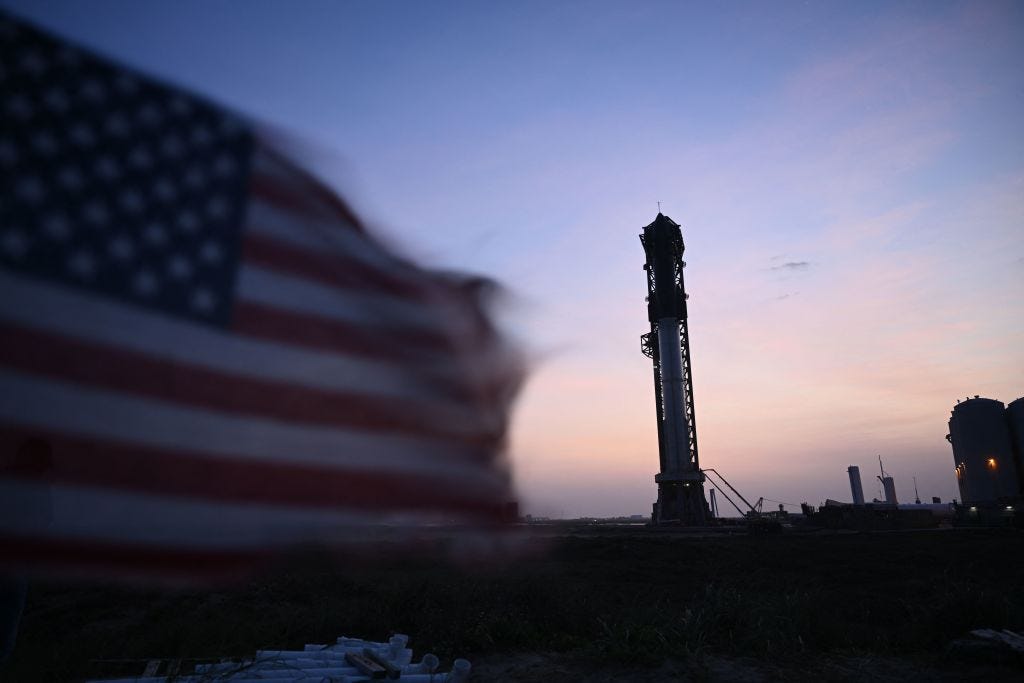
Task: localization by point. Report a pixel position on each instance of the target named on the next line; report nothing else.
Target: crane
(753, 511)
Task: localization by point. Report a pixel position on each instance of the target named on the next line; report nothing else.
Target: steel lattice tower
(680, 481)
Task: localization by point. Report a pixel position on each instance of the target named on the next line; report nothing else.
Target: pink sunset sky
(849, 178)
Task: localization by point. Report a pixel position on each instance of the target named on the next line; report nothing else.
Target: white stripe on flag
(58, 309)
(49, 404)
(291, 228)
(288, 292)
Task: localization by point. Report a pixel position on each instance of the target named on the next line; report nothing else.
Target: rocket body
(675, 430)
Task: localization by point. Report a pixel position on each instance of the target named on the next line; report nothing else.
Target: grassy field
(597, 604)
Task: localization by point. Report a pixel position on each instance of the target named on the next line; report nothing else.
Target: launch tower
(680, 481)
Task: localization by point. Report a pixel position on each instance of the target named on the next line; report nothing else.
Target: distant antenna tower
(917, 498)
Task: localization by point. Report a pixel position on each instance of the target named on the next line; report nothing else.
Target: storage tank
(943, 510)
(982, 451)
(856, 490)
(889, 486)
(1015, 421)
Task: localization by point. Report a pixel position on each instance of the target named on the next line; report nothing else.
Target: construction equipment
(752, 510)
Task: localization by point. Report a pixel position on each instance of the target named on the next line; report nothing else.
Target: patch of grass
(625, 597)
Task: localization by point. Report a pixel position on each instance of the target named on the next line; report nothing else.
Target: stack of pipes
(349, 660)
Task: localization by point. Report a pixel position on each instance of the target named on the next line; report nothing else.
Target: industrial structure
(888, 485)
(988, 453)
(988, 449)
(855, 486)
(680, 480)
(1015, 421)
(877, 515)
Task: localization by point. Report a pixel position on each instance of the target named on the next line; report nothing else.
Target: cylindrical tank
(1015, 421)
(889, 486)
(982, 453)
(938, 509)
(855, 485)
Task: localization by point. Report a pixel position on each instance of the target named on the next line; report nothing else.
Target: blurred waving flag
(204, 357)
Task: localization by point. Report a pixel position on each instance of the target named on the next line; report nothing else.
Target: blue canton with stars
(114, 184)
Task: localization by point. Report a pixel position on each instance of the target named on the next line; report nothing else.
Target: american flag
(219, 358)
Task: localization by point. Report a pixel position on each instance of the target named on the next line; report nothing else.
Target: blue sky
(878, 144)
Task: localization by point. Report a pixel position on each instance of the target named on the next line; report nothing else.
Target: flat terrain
(593, 604)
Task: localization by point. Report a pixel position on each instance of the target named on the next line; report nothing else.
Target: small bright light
(974, 509)
(992, 462)
(1010, 508)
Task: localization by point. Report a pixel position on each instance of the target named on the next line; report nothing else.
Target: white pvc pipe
(304, 654)
(299, 676)
(460, 671)
(396, 644)
(320, 664)
(330, 679)
(427, 665)
(270, 672)
(313, 665)
(262, 663)
(336, 654)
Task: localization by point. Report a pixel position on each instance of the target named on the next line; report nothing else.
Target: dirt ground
(547, 667)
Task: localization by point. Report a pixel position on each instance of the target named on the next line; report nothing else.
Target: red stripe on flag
(89, 363)
(323, 334)
(327, 267)
(110, 464)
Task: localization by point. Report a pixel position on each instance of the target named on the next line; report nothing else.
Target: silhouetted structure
(1015, 421)
(888, 485)
(856, 490)
(874, 516)
(680, 481)
(980, 433)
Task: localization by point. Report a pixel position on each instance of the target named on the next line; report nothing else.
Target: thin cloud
(793, 265)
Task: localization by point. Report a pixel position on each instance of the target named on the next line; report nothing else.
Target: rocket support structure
(680, 481)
